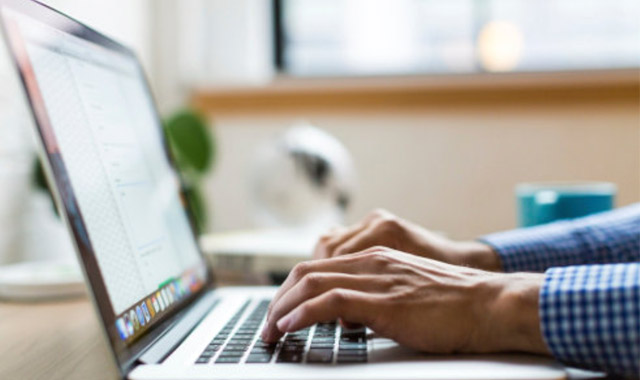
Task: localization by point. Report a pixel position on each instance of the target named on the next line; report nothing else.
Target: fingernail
(285, 322)
(265, 331)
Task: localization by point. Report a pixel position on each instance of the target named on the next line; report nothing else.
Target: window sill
(287, 94)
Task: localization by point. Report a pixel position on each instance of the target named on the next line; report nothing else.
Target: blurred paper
(274, 243)
(255, 257)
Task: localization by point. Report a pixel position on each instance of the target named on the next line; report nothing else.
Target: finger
(378, 214)
(345, 264)
(376, 234)
(345, 304)
(313, 285)
(328, 243)
(337, 236)
(349, 325)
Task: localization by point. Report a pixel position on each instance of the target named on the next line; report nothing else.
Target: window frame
(280, 65)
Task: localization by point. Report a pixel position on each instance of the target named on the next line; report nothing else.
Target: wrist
(514, 315)
(479, 255)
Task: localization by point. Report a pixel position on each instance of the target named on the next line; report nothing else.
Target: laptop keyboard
(324, 343)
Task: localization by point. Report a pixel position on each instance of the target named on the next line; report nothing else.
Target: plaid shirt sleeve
(610, 237)
(589, 314)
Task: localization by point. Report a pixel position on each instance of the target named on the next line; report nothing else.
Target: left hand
(420, 303)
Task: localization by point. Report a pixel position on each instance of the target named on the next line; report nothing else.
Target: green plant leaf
(191, 141)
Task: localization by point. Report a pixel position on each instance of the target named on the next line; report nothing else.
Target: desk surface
(58, 340)
(62, 340)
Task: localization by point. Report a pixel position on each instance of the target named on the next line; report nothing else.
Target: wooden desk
(53, 340)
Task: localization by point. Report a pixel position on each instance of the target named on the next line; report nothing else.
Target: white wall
(452, 170)
(200, 43)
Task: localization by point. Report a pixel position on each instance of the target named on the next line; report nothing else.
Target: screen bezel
(58, 178)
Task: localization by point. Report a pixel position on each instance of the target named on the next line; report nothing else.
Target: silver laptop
(117, 189)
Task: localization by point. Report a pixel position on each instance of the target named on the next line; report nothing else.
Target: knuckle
(312, 280)
(330, 246)
(337, 298)
(375, 250)
(389, 224)
(300, 270)
(379, 212)
(380, 258)
(341, 251)
(324, 239)
(380, 249)
(388, 282)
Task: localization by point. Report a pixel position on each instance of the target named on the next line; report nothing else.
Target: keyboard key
(265, 345)
(352, 353)
(289, 343)
(240, 347)
(259, 347)
(353, 339)
(352, 346)
(292, 349)
(240, 341)
(203, 360)
(228, 360)
(324, 339)
(320, 355)
(351, 359)
(290, 357)
(322, 345)
(258, 358)
(295, 339)
(231, 354)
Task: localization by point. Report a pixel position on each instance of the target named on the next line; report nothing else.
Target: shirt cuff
(589, 316)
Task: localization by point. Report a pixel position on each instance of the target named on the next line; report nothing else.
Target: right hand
(381, 228)
(420, 303)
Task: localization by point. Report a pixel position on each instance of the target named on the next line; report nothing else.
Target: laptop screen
(107, 153)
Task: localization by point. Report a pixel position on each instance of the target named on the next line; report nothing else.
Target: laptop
(118, 191)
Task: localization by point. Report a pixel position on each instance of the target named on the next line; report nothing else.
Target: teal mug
(540, 203)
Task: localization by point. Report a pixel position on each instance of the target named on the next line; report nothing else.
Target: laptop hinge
(162, 347)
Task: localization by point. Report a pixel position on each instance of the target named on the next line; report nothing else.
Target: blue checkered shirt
(590, 300)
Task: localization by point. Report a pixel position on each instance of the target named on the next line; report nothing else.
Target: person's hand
(381, 228)
(421, 303)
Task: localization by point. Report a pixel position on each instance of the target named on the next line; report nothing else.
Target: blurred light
(380, 35)
(500, 45)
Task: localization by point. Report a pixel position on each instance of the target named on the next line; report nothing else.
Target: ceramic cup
(545, 202)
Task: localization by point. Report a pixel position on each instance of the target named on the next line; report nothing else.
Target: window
(391, 37)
